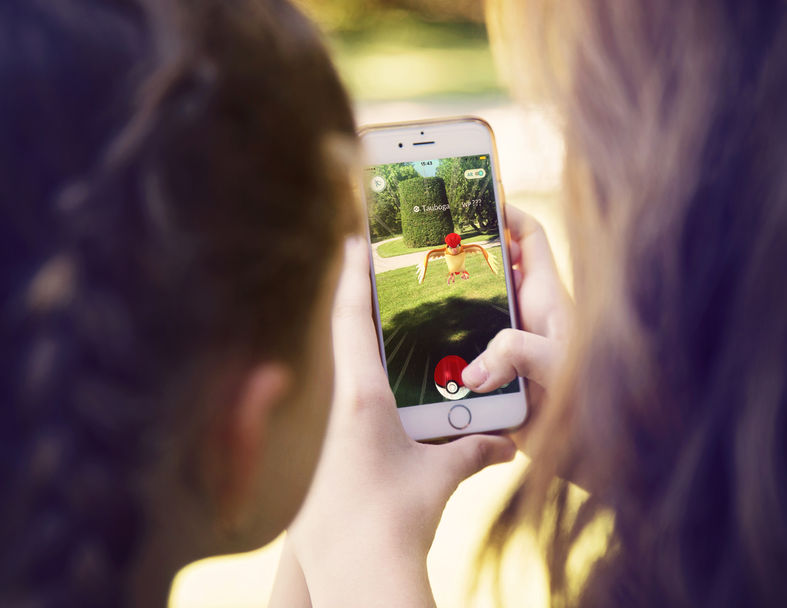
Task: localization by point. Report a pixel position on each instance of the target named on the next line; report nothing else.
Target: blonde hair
(673, 403)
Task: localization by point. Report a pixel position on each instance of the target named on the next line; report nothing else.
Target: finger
(523, 437)
(514, 253)
(519, 223)
(512, 353)
(469, 455)
(354, 335)
(535, 252)
(517, 278)
(289, 586)
(354, 286)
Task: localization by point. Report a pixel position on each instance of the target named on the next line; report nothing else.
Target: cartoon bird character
(454, 253)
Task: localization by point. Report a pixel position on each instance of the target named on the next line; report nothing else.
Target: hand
(546, 314)
(370, 516)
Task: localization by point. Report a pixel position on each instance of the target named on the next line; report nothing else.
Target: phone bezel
(452, 137)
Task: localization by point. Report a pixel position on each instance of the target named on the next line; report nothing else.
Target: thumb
(355, 346)
(469, 455)
(512, 353)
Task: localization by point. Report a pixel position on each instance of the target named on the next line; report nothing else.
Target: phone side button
(459, 417)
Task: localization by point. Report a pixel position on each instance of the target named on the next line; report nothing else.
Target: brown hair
(171, 197)
(672, 408)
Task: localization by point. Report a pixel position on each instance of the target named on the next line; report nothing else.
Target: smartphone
(440, 271)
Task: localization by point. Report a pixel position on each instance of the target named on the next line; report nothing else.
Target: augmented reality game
(439, 273)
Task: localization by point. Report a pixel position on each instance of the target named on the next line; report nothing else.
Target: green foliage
(384, 218)
(472, 205)
(432, 222)
(472, 200)
(354, 15)
(383, 52)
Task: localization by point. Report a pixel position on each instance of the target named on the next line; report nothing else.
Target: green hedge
(432, 222)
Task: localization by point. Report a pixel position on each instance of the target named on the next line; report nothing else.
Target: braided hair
(163, 179)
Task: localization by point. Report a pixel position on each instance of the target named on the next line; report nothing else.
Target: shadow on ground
(419, 337)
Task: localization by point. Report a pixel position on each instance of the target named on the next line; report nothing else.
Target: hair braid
(78, 388)
(147, 228)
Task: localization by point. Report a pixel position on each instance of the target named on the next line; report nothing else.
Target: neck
(175, 536)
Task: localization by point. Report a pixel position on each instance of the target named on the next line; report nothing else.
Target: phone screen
(439, 274)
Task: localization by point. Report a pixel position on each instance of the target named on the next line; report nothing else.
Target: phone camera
(422, 132)
(400, 144)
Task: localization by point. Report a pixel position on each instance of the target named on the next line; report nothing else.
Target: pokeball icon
(448, 377)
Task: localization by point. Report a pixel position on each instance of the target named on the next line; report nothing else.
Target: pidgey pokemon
(454, 253)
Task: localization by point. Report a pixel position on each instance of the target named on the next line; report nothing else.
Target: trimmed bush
(432, 222)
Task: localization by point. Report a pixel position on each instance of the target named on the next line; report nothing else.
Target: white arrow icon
(378, 183)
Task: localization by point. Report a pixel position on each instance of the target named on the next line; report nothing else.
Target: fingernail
(475, 374)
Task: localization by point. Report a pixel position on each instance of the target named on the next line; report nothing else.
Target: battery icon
(482, 157)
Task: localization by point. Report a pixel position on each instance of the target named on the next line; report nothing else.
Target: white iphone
(440, 271)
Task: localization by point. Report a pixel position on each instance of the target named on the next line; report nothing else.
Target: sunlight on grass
(406, 74)
(461, 335)
(399, 289)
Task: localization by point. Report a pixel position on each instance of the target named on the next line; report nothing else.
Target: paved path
(382, 264)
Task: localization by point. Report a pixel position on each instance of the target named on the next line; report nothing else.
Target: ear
(243, 436)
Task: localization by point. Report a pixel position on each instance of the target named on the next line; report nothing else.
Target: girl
(664, 393)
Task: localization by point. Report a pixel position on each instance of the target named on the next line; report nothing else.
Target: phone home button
(459, 417)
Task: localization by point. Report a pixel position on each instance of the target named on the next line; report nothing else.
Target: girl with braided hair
(162, 173)
(174, 193)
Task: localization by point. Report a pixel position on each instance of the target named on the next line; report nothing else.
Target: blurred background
(408, 60)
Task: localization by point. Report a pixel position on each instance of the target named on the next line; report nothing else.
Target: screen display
(439, 273)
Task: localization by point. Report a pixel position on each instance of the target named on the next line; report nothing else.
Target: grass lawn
(405, 57)
(397, 247)
(424, 323)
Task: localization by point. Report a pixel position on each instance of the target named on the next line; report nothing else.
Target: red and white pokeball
(448, 377)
